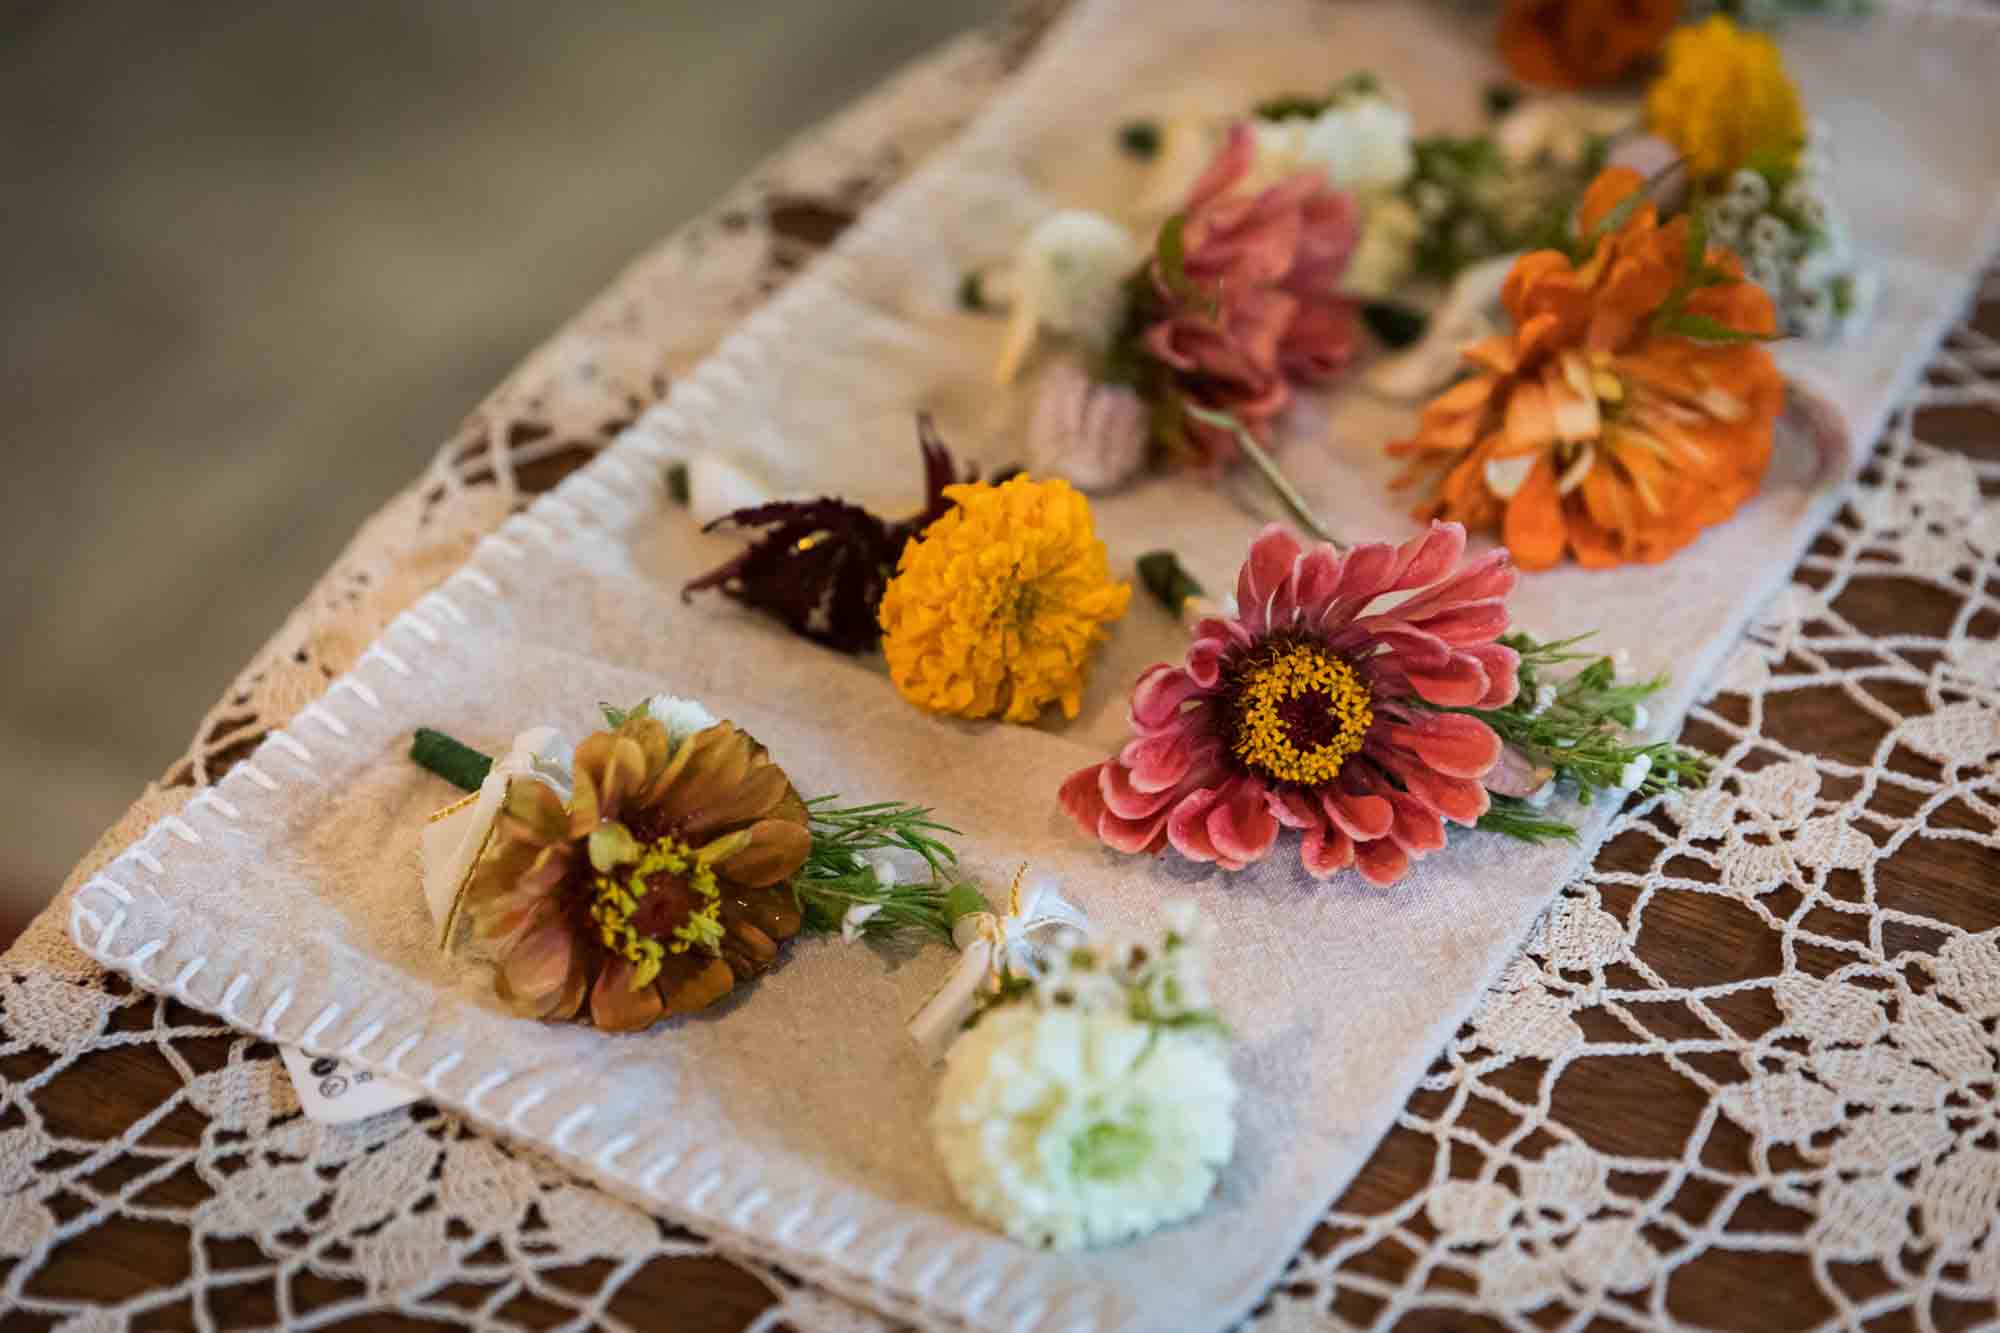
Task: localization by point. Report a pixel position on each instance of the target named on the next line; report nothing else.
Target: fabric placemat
(790, 1121)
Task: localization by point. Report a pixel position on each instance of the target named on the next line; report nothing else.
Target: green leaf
(972, 293)
(1291, 106)
(1517, 819)
(1163, 576)
(1141, 139)
(1396, 325)
(1173, 259)
(1708, 329)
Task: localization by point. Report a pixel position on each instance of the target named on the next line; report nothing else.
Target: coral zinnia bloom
(1258, 311)
(997, 606)
(1592, 428)
(1582, 43)
(655, 890)
(1726, 101)
(1314, 709)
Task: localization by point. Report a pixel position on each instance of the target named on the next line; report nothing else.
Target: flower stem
(453, 760)
(1256, 453)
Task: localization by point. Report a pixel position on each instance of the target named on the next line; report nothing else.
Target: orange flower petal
(1533, 529)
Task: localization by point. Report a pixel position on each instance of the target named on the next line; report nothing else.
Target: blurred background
(257, 261)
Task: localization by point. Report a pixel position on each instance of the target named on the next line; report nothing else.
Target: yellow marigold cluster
(1725, 100)
(995, 608)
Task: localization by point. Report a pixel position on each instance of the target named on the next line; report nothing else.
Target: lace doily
(1758, 1038)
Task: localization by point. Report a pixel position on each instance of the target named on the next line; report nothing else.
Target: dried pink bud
(1091, 434)
(1516, 774)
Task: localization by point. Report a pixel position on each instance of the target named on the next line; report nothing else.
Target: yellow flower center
(631, 907)
(1300, 713)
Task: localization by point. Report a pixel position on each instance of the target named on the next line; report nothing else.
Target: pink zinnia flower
(1308, 710)
(1266, 316)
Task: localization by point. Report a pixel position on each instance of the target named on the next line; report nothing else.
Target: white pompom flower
(1073, 1127)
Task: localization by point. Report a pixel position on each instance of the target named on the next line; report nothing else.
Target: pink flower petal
(1461, 800)
(1264, 573)
(1157, 698)
(1293, 808)
(1458, 682)
(1161, 760)
(1381, 863)
(1502, 666)
(1240, 826)
(1324, 850)
(1426, 559)
(1361, 817)
(1082, 798)
(1187, 825)
(1134, 837)
(1417, 828)
(1114, 783)
(1452, 743)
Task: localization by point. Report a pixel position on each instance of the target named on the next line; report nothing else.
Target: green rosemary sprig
(837, 876)
(1517, 819)
(1577, 726)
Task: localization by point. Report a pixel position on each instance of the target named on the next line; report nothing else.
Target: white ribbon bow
(989, 944)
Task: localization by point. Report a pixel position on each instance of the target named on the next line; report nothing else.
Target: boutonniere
(1090, 1099)
(662, 864)
(1629, 405)
(1366, 698)
(988, 603)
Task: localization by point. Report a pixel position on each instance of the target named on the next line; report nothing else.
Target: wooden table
(95, 1061)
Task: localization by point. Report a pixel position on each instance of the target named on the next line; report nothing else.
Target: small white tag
(334, 1092)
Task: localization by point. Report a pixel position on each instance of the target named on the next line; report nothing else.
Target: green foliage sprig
(838, 876)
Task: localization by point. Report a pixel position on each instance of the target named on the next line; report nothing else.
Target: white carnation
(1065, 1127)
(681, 717)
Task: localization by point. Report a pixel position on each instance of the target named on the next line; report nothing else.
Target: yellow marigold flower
(995, 607)
(1725, 100)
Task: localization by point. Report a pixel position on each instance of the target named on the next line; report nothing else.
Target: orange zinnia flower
(1599, 426)
(1582, 43)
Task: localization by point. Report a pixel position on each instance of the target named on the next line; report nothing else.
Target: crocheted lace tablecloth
(1743, 1073)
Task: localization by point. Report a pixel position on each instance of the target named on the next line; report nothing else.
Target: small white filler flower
(1074, 1115)
(1068, 277)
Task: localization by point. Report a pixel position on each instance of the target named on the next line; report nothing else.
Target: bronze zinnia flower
(655, 890)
